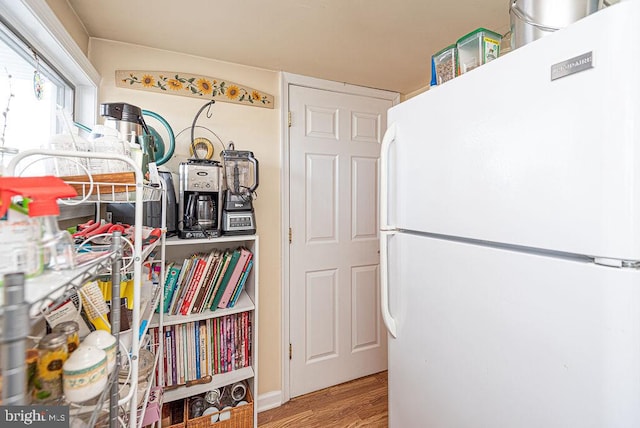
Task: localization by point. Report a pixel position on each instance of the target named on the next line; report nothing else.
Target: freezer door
(491, 338)
(505, 154)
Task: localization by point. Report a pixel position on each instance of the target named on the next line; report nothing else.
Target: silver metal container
(124, 117)
(533, 19)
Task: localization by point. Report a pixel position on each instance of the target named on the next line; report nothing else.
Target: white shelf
(47, 284)
(243, 304)
(176, 251)
(217, 381)
(174, 241)
(51, 287)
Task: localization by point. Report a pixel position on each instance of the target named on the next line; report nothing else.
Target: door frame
(287, 79)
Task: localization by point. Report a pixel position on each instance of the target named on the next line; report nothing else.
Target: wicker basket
(167, 419)
(241, 417)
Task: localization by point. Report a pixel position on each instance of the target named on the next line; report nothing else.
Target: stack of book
(206, 281)
(194, 350)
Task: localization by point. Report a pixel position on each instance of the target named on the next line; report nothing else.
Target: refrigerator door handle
(384, 281)
(389, 137)
(386, 230)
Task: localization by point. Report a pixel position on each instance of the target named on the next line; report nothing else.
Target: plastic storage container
(444, 62)
(477, 48)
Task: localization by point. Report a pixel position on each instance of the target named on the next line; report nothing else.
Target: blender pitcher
(241, 180)
(240, 171)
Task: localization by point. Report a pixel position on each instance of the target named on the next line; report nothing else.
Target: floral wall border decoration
(192, 85)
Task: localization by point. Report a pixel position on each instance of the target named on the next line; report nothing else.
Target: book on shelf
(242, 258)
(185, 350)
(194, 285)
(215, 345)
(169, 363)
(214, 279)
(174, 358)
(177, 295)
(233, 260)
(179, 357)
(235, 358)
(195, 362)
(160, 365)
(243, 279)
(249, 342)
(207, 342)
(196, 342)
(191, 369)
(229, 347)
(212, 261)
(177, 331)
(207, 282)
(203, 349)
(241, 339)
(176, 291)
(170, 283)
(234, 344)
(215, 292)
(188, 282)
(245, 338)
(226, 344)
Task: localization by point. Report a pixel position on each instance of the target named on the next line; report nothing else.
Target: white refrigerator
(510, 237)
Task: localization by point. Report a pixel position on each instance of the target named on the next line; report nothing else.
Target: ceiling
(376, 43)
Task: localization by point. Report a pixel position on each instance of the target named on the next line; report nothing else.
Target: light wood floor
(359, 403)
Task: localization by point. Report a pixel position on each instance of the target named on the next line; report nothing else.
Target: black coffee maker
(200, 199)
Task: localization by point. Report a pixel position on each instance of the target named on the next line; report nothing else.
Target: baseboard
(269, 400)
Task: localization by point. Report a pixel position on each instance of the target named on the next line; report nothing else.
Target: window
(29, 119)
(33, 25)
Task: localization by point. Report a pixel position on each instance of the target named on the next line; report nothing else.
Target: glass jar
(52, 353)
(31, 359)
(212, 397)
(69, 329)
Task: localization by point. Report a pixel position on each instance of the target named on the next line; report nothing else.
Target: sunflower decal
(204, 86)
(233, 92)
(148, 81)
(192, 85)
(174, 84)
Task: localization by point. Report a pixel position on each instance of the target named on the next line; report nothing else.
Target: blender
(241, 180)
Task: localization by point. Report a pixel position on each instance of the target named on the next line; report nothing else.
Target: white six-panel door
(336, 333)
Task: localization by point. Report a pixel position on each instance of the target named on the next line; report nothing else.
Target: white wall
(250, 128)
(71, 23)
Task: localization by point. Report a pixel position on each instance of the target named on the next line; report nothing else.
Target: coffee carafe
(199, 200)
(201, 211)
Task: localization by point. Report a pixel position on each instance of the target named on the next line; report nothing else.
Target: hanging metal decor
(193, 85)
(38, 80)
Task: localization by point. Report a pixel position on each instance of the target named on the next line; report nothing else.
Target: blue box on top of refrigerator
(510, 238)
